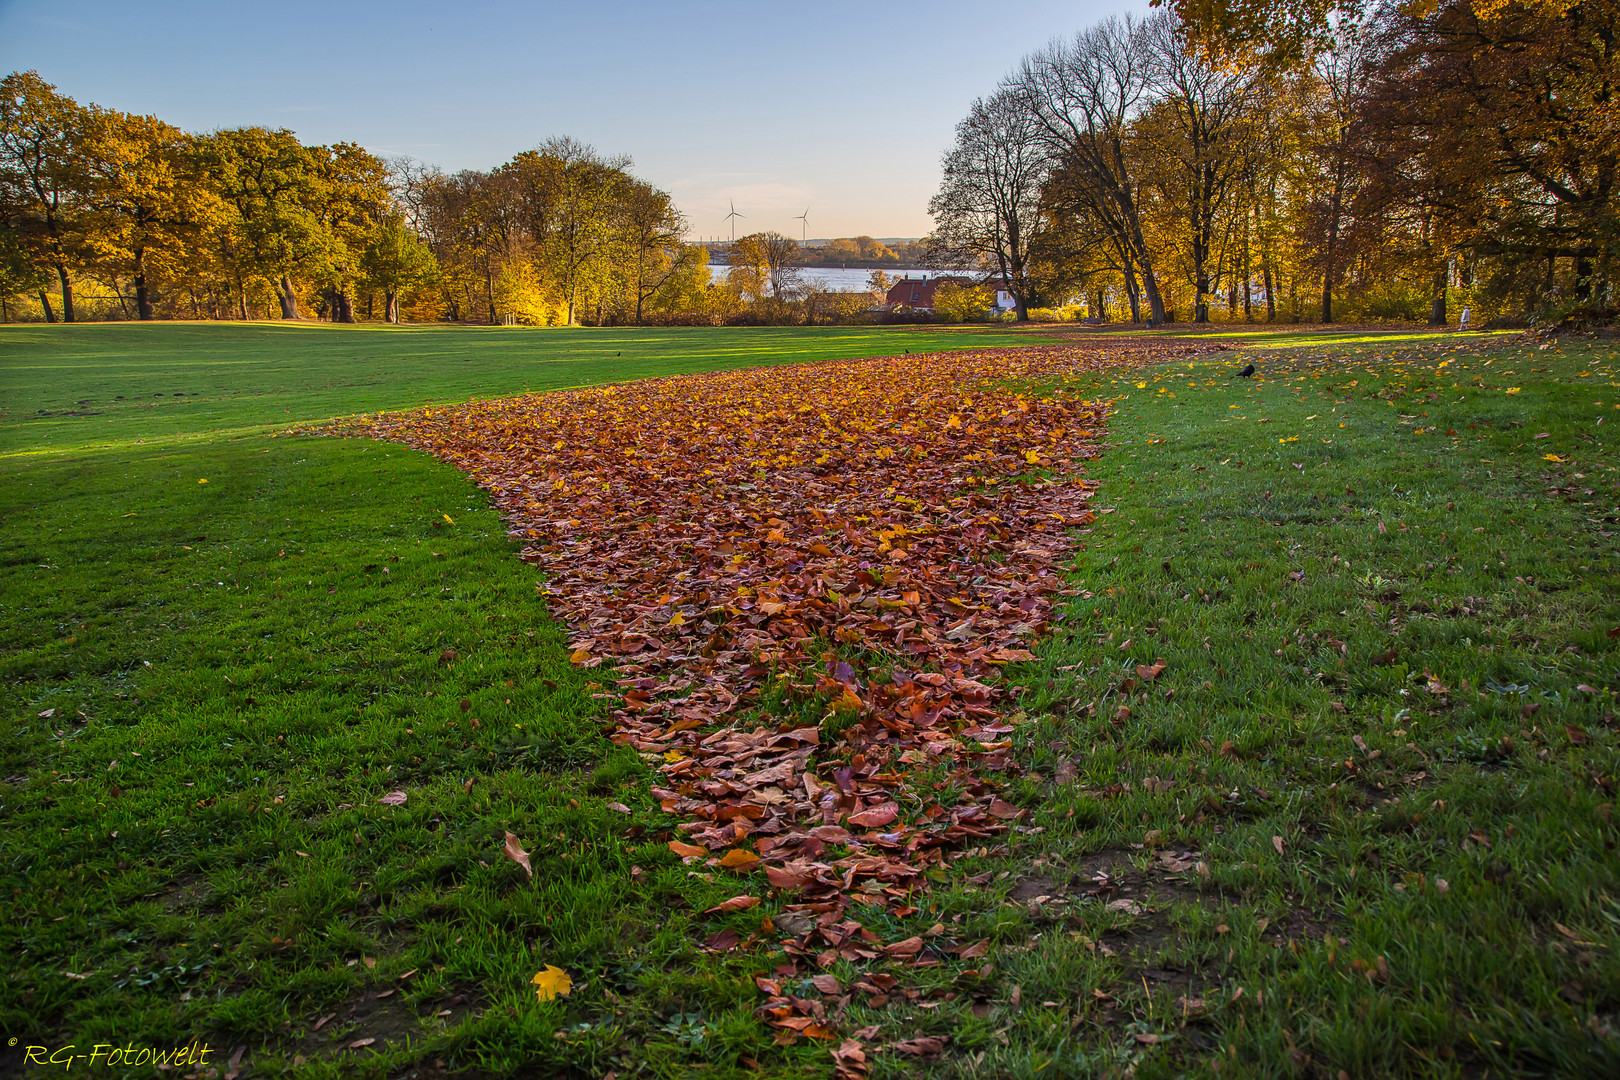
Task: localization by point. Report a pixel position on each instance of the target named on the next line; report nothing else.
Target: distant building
(918, 293)
(1004, 301)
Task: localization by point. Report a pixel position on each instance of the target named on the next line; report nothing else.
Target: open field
(65, 388)
(1371, 787)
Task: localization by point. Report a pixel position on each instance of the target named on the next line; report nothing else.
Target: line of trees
(106, 214)
(146, 221)
(1314, 162)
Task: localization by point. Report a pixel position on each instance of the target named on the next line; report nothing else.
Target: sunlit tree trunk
(67, 293)
(1133, 293)
(45, 302)
(287, 297)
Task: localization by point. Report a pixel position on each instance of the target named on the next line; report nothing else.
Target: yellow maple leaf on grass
(552, 981)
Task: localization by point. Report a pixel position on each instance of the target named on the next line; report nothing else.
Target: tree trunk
(1133, 293)
(45, 302)
(1583, 278)
(342, 306)
(1150, 286)
(1330, 261)
(391, 307)
(1437, 306)
(67, 293)
(143, 297)
(287, 297)
(1248, 272)
(1200, 248)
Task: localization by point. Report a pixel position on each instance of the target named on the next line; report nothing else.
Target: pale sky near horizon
(841, 107)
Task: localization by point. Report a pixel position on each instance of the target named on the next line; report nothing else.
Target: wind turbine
(731, 217)
(804, 225)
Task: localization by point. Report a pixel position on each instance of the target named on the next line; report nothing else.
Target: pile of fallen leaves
(864, 543)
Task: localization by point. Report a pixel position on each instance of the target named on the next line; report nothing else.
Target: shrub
(962, 303)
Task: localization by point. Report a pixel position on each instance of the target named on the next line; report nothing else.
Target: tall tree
(1201, 119)
(1084, 95)
(1338, 77)
(146, 202)
(1522, 96)
(396, 260)
(348, 197)
(988, 203)
(651, 228)
(268, 180)
(42, 177)
(766, 263)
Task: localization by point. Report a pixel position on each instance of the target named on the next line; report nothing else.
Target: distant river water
(834, 279)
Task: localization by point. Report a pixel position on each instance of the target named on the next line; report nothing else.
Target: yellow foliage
(550, 982)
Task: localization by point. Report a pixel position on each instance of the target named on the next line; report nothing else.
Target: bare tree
(1083, 96)
(988, 203)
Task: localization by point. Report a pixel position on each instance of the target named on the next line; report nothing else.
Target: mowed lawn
(220, 649)
(95, 386)
(1359, 821)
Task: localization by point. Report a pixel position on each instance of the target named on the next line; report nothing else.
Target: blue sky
(841, 107)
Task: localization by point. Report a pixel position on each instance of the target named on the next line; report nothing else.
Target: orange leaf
(875, 816)
(738, 859)
(909, 947)
(736, 903)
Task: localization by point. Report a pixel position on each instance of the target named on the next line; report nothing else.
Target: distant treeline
(106, 214)
(1312, 161)
(864, 253)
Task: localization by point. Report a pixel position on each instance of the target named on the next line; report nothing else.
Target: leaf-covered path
(858, 545)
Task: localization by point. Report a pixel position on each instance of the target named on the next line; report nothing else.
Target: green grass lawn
(1361, 820)
(207, 687)
(1378, 601)
(96, 386)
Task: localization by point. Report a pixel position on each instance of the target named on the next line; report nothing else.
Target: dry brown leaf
(514, 851)
(736, 903)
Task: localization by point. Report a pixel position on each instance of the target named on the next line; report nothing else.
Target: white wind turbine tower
(732, 217)
(804, 225)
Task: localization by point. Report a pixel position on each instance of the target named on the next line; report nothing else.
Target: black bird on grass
(1246, 372)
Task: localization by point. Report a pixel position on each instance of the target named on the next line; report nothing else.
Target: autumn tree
(650, 229)
(267, 181)
(19, 273)
(395, 260)
(1083, 96)
(1197, 136)
(43, 182)
(1510, 108)
(988, 203)
(348, 198)
(766, 264)
(146, 203)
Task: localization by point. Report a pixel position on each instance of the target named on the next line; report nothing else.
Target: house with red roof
(918, 293)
